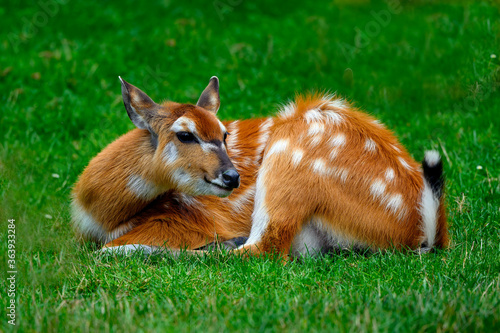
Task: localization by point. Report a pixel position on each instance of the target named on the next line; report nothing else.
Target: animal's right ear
(140, 108)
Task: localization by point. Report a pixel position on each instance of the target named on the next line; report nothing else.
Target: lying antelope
(320, 174)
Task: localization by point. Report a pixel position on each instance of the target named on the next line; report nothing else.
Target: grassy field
(430, 70)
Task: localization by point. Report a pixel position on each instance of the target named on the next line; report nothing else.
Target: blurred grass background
(428, 69)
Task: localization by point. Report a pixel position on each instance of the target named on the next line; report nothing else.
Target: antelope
(320, 174)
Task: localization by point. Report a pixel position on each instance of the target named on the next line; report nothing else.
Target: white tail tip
(432, 158)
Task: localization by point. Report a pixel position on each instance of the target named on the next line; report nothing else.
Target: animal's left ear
(209, 98)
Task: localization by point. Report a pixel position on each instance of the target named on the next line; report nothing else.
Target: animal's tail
(431, 206)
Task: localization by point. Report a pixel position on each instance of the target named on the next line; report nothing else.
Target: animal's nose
(231, 178)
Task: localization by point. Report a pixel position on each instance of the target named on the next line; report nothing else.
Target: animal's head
(189, 142)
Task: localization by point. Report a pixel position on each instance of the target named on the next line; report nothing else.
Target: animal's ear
(209, 98)
(140, 108)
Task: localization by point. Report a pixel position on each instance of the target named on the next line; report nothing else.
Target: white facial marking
(208, 146)
(389, 174)
(316, 129)
(142, 188)
(319, 166)
(404, 163)
(170, 153)
(338, 140)
(297, 155)
(184, 124)
(370, 145)
(181, 178)
(377, 188)
(278, 147)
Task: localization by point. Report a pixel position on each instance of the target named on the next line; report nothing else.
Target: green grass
(428, 74)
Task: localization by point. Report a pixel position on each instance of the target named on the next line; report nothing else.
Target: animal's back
(334, 172)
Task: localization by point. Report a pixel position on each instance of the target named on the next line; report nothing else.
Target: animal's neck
(116, 185)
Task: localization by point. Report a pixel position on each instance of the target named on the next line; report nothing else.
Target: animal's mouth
(219, 186)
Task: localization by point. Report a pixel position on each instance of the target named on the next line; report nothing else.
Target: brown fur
(294, 193)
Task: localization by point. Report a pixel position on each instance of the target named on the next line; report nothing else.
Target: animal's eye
(186, 137)
(225, 136)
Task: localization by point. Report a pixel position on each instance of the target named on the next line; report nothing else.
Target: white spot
(389, 174)
(319, 166)
(377, 188)
(313, 115)
(337, 104)
(287, 111)
(181, 178)
(278, 147)
(142, 188)
(338, 140)
(297, 155)
(370, 145)
(396, 148)
(378, 123)
(184, 124)
(343, 175)
(315, 140)
(334, 153)
(429, 209)
(432, 158)
(404, 163)
(55, 175)
(170, 153)
(264, 131)
(333, 116)
(222, 127)
(394, 203)
(316, 129)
